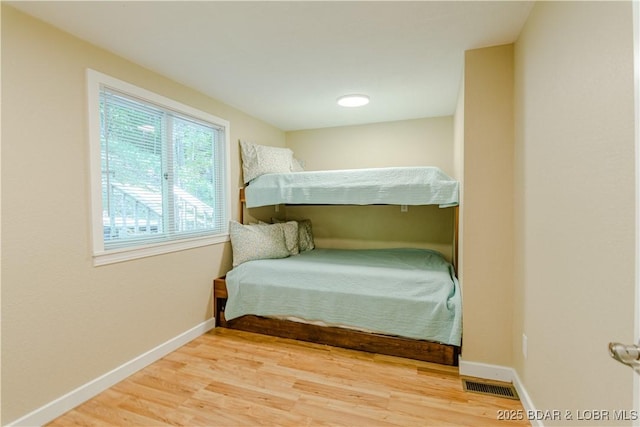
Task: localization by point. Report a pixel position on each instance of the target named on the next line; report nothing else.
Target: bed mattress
(405, 292)
(392, 186)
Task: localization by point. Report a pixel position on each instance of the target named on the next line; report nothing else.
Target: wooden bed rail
(427, 351)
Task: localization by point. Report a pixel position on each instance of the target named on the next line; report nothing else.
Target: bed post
(456, 233)
(242, 200)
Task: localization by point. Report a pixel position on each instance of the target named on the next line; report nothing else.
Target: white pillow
(305, 234)
(290, 230)
(250, 242)
(297, 165)
(260, 159)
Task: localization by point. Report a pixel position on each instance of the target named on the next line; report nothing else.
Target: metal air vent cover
(505, 390)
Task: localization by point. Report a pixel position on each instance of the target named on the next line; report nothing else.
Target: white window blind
(163, 172)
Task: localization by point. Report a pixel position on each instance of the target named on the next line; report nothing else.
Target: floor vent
(490, 388)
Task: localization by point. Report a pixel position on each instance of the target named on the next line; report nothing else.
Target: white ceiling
(287, 62)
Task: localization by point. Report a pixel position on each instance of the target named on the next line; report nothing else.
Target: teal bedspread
(405, 292)
(391, 186)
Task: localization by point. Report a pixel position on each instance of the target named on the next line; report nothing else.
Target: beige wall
(555, 187)
(65, 322)
(574, 204)
(419, 142)
(484, 149)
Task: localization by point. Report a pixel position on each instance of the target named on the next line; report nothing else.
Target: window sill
(127, 254)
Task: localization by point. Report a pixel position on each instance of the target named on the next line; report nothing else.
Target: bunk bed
(402, 302)
(390, 186)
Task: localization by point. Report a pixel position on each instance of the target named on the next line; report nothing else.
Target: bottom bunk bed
(399, 302)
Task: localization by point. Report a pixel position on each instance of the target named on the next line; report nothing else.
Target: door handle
(626, 354)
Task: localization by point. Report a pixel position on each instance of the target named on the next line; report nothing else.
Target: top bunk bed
(273, 176)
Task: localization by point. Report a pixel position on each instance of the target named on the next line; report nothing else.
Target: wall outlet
(404, 208)
(524, 345)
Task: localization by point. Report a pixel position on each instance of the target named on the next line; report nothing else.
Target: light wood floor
(232, 378)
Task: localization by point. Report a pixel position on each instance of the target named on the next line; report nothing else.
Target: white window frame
(101, 256)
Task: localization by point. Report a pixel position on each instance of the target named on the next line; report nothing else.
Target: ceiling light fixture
(353, 100)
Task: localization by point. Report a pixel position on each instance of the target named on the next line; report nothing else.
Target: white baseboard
(486, 371)
(54, 409)
(505, 374)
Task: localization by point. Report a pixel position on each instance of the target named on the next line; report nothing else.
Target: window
(159, 171)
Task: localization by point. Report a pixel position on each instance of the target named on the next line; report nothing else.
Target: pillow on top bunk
(262, 241)
(297, 165)
(260, 159)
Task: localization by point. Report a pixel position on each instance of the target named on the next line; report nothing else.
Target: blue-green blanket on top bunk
(424, 185)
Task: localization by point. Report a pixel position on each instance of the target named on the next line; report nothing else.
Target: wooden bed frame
(428, 351)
